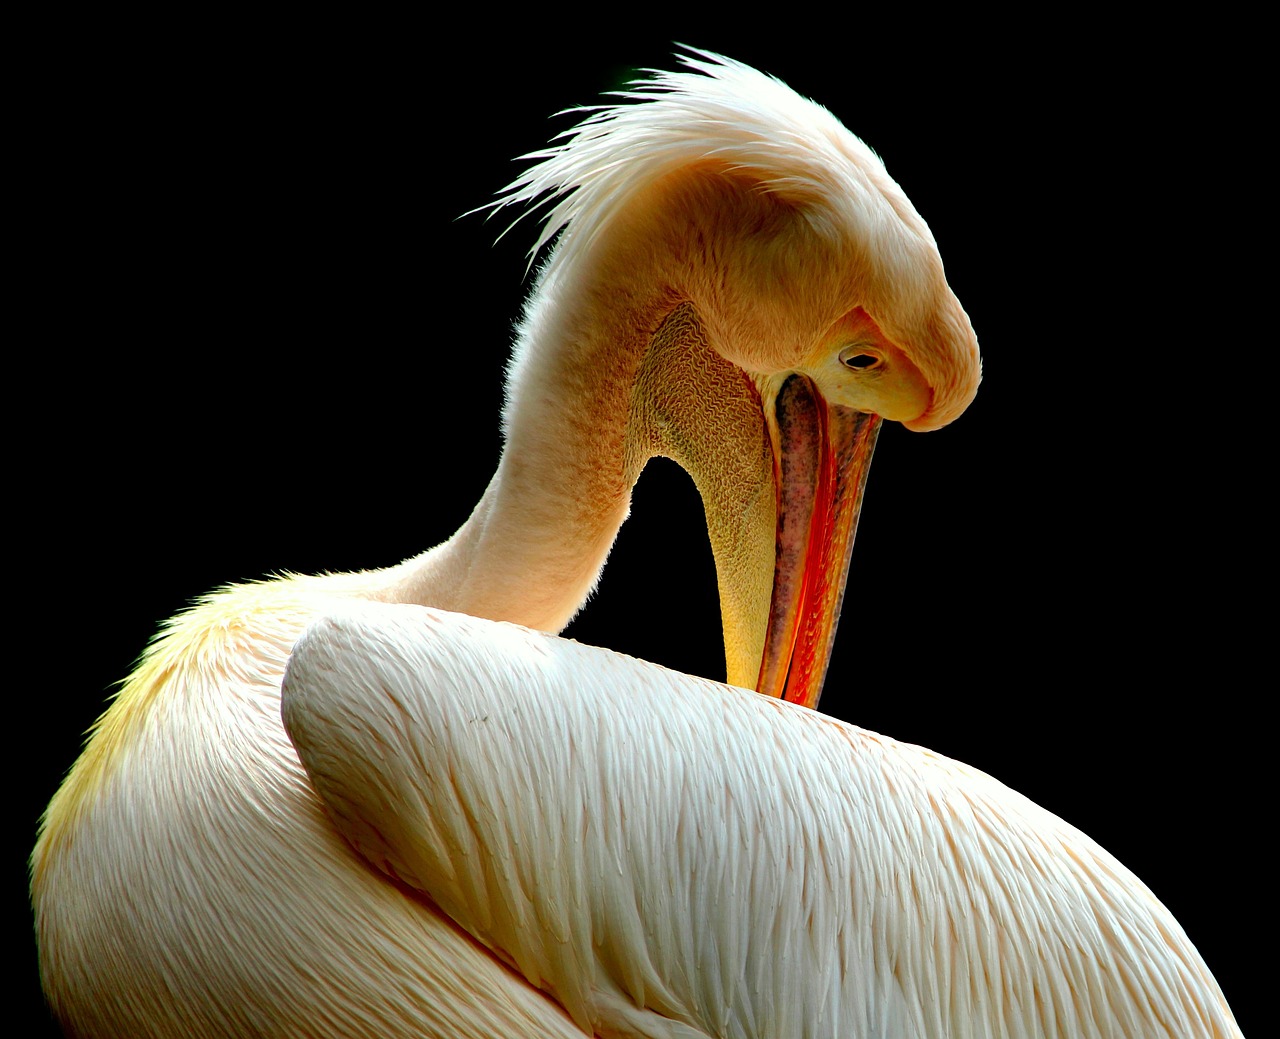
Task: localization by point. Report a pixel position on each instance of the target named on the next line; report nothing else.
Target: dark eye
(858, 359)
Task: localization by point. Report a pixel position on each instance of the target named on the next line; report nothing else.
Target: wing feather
(664, 853)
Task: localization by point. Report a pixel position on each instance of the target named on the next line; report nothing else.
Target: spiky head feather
(726, 116)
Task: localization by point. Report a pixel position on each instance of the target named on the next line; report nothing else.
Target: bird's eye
(858, 359)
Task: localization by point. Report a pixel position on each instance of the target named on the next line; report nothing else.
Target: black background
(264, 340)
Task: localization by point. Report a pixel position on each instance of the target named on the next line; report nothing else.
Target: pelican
(394, 804)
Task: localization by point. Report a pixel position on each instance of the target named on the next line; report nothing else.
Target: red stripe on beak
(824, 455)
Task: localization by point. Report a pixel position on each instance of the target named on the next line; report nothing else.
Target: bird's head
(740, 278)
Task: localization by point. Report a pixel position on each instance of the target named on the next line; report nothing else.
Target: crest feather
(720, 110)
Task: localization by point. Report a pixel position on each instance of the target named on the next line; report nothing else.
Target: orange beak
(823, 457)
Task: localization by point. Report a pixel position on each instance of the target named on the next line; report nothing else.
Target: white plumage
(554, 839)
(738, 865)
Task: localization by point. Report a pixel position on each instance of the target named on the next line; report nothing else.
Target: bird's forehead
(851, 324)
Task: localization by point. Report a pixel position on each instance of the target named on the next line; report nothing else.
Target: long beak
(781, 498)
(823, 454)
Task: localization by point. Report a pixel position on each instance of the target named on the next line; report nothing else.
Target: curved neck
(532, 549)
(623, 356)
(507, 563)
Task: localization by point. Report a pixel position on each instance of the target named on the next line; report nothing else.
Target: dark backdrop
(265, 340)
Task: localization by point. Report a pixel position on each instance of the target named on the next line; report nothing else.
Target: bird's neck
(514, 559)
(532, 549)
(616, 365)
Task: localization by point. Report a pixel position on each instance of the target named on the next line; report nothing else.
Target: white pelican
(738, 284)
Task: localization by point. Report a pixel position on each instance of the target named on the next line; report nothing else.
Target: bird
(393, 803)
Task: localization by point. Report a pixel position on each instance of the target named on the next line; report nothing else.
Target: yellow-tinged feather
(672, 864)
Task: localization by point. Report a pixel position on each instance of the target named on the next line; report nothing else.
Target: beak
(822, 456)
(781, 498)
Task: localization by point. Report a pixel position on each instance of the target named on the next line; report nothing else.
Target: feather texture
(630, 837)
(188, 853)
(543, 839)
(723, 115)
